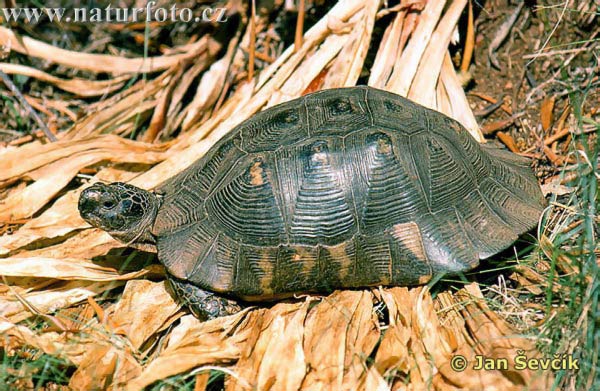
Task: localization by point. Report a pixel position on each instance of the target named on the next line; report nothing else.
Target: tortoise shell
(342, 188)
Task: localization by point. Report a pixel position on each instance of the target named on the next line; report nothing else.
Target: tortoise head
(124, 211)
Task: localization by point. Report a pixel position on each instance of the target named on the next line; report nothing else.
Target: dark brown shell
(342, 188)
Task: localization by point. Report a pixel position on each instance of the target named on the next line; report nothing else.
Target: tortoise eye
(108, 204)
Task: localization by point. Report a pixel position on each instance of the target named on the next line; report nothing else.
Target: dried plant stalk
(79, 87)
(100, 62)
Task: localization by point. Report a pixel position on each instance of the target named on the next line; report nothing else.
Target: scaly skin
(203, 304)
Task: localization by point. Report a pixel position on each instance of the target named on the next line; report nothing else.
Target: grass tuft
(573, 311)
(33, 370)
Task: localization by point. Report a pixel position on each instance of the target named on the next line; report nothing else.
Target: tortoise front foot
(204, 305)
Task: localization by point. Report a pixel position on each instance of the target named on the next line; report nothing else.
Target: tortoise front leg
(204, 305)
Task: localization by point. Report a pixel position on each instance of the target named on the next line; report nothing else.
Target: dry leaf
(547, 113)
(143, 310)
(194, 343)
(63, 269)
(57, 296)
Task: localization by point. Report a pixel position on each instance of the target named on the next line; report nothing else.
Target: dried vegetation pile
(73, 292)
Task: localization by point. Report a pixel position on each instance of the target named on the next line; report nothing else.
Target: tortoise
(341, 188)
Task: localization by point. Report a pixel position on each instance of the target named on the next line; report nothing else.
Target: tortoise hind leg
(204, 305)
